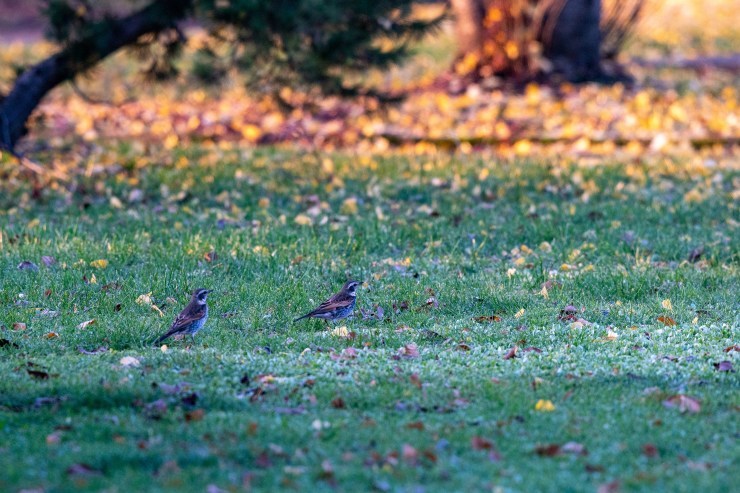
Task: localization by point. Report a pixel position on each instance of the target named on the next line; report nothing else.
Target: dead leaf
(736, 347)
(409, 351)
(194, 415)
(129, 361)
(695, 254)
(415, 425)
(51, 335)
(210, 256)
(7, 343)
(480, 443)
(37, 374)
(649, 450)
(98, 350)
(667, 321)
(463, 347)
(19, 326)
(532, 349)
(550, 450)
(487, 318)
(48, 260)
(511, 353)
(28, 265)
(724, 366)
(684, 403)
(99, 264)
(82, 470)
(338, 403)
(610, 487)
(86, 323)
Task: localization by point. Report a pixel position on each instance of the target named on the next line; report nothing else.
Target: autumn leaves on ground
(546, 312)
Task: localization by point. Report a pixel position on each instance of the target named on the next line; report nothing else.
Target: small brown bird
(341, 305)
(192, 318)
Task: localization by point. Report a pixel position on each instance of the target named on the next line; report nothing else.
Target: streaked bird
(192, 318)
(338, 306)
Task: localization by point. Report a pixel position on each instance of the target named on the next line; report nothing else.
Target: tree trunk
(574, 45)
(468, 25)
(104, 38)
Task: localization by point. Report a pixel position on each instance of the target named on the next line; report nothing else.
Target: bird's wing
(332, 304)
(189, 315)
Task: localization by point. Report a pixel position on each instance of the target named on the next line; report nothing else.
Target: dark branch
(101, 39)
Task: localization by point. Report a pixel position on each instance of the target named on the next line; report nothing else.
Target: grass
(260, 402)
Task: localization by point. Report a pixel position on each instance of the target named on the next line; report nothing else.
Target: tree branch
(102, 39)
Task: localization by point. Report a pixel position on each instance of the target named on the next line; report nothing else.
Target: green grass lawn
(422, 396)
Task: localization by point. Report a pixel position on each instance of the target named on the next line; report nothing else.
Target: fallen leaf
(409, 351)
(683, 403)
(28, 265)
(37, 374)
(487, 318)
(649, 450)
(574, 448)
(99, 264)
(667, 321)
(303, 220)
(210, 256)
(340, 331)
(511, 353)
(415, 425)
(194, 415)
(338, 403)
(736, 347)
(463, 347)
(724, 366)
(544, 405)
(666, 304)
(51, 335)
(610, 487)
(695, 254)
(82, 470)
(7, 343)
(532, 348)
(129, 361)
(48, 260)
(86, 323)
(480, 443)
(98, 350)
(19, 326)
(550, 450)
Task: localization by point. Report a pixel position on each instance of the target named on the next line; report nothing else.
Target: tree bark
(104, 38)
(468, 25)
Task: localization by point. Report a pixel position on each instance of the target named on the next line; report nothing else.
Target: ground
(617, 285)
(549, 298)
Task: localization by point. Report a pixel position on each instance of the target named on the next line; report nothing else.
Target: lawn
(616, 283)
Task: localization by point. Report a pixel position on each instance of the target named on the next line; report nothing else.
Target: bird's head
(200, 295)
(350, 287)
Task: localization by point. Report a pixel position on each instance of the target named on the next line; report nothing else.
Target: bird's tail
(160, 339)
(301, 318)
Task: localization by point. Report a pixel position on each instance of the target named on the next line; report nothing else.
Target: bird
(192, 318)
(340, 305)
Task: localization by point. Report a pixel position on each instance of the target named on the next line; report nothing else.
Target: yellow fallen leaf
(99, 264)
(164, 348)
(340, 331)
(303, 220)
(156, 309)
(695, 321)
(33, 223)
(544, 405)
(144, 299)
(51, 335)
(611, 335)
(129, 361)
(349, 206)
(519, 313)
(544, 292)
(666, 304)
(93, 279)
(576, 325)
